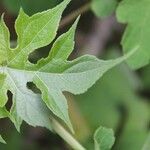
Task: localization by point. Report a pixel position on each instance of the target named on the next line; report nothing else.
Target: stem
(74, 15)
(63, 133)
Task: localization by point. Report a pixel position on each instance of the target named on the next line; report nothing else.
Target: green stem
(64, 134)
(74, 15)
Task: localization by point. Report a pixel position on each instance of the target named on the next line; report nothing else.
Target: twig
(74, 15)
(64, 134)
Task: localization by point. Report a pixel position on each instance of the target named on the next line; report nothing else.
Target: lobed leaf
(52, 75)
(34, 32)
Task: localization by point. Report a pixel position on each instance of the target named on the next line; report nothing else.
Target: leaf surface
(52, 75)
(104, 139)
(3, 114)
(136, 15)
(34, 32)
(4, 41)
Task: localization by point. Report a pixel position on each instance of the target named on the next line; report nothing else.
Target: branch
(64, 134)
(74, 15)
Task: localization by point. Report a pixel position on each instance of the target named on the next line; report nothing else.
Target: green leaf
(3, 114)
(3, 91)
(34, 32)
(104, 8)
(14, 116)
(2, 140)
(104, 105)
(136, 15)
(4, 41)
(104, 139)
(83, 71)
(28, 107)
(64, 45)
(43, 26)
(52, 75)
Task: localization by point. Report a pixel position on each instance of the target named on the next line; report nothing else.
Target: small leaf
(104, 8)
(52, 75)
(64, 45)
(104, 139)
(14, 116)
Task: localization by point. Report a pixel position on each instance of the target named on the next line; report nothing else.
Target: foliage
(55, 74)
(104, 139)
(51, 75)
(135, 14)
(30, 7)
(123, 93)
(104, 8)
(2, 140)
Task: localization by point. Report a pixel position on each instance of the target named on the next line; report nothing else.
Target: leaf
(137, 17)
(104, 139)
(104, 105)
(4, 41)
(3, 91)
(147, 143)
(83, 71)
(29, 107)
(2, 140)
(3, 114)
(52, 75)
(104, 8)
(61, 48)
(34, 32)
(26, 104)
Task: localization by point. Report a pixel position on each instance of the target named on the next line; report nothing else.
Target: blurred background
(120, 100)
